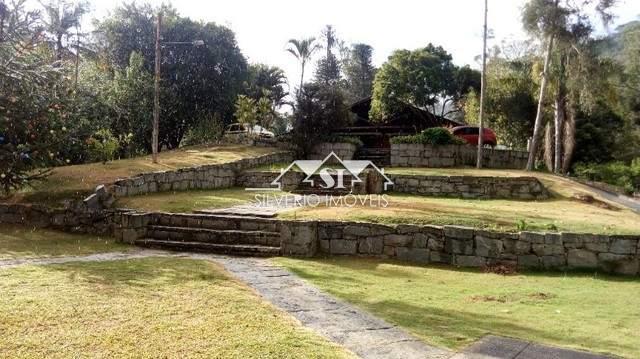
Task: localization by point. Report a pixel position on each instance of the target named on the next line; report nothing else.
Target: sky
(263, 27)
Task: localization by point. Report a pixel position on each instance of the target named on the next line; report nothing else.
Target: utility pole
(156, 95)
(483, 85)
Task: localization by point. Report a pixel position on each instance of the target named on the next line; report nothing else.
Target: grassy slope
(78, 180)
(24, 242)
(188, 201)
(453, 308)
(559, 213)
(154, 307)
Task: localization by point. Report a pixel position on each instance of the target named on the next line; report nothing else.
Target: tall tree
(425, 78)
(359, 71)
(303, 50)
(328, 70)
(551, 21)
(197, 83)
(61, 18)
(267, 81)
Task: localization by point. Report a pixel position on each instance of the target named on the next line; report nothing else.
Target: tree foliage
(424, 78)
(359, 72)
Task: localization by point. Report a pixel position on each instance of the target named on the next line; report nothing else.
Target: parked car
(242, 129)
(470, 135)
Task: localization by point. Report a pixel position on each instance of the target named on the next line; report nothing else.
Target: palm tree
(303, 49)
(60, 17)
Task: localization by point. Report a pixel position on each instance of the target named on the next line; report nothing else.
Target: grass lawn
(561, 213)
(188, 201)
(25, 242)
(451, 307)
(153, 307)
(78, 180)
(552, 215)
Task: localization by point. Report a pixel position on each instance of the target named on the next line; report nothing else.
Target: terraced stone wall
(416, 155)
(199, 177)
(520, 188)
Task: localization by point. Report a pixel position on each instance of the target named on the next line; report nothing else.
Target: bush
(207, 131)
(614, 173)
(431, 136)
(103, 146)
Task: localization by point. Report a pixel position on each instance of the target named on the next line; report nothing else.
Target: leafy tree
(246, 111)
(197, 82)
(61, 16)
(267, 81)
(303, 50)
(510, 103)
(318, 109)
(32, 115)
(130, 96)
(328, 71)
(555, 21)
(359, 72)
(424, 78)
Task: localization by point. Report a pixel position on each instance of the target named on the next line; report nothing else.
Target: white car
(242, 129)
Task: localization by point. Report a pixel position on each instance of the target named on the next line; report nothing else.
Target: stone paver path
(99, 257)
(493, 347)
(342, 323)
(356, 330)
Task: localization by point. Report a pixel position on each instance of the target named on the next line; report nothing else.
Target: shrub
(206, 131)
(614, 173)
(430, 136)
(103, 146)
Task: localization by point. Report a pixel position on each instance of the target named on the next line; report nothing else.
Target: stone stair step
(240, 250)
(205, 235)
(219, 222)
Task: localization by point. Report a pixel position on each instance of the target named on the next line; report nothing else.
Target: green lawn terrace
(564, 211)
(77, 181)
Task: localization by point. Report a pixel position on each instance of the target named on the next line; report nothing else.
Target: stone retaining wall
(459, 246)
(199, 177)
(78, 219)
(522, 188)
(343, 150)
(416, 155)
(263, 179)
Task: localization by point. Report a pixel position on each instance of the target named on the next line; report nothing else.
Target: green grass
(25, 242)
(153, 307)
(189, 201)
(502, 215)
(453, 307)
(79, 180)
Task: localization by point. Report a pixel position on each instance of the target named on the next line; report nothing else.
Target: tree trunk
(569, 139)
(559, 116)
(533, 149)
(549, 154)
(302, 76)
(560, 108)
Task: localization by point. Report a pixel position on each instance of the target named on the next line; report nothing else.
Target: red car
(470, 135)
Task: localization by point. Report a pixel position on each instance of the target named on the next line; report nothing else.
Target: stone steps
(233, 249)
(217, 236)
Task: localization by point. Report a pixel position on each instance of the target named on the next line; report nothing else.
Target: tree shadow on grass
(142, 273)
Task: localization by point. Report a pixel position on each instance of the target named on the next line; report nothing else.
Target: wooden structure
(408, 121)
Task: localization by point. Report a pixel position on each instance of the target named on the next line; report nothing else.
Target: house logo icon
(331, 172)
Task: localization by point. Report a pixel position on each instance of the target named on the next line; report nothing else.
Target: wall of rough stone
(467, 247)
(263, 179)
(521, 188)
(199, 177)
(454, 245)
(416, 155)
(343, 150)
(76, 219)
